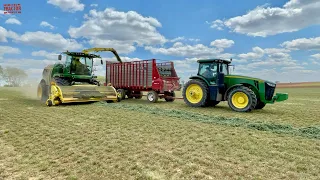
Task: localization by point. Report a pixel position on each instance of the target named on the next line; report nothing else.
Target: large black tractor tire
(195, 93)
(43, 91)
(260, 105)
(122, 93)
(172, 98)
(242, 99)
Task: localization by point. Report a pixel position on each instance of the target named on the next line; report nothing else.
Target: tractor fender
(201, 78)
(229, 89)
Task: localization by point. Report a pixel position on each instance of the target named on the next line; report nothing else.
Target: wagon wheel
(152, 96)
(139, 96)
(170, 99)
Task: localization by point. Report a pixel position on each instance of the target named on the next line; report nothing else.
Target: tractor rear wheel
(260, 105)
(242, 99)
(195, 93)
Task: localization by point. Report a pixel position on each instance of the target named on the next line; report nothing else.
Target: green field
(135, 139)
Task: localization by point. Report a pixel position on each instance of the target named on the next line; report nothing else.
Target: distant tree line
(13, 77)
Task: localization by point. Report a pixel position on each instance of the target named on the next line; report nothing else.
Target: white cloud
(292, 68)
(49, 41)
(67, 5)
(13, 21)
(129, 28)
(185, 50)
(177, 39)
(46, 24)
(256, 54)
(184, 39)
(316, 56)
(196, 51)
(4, 34)
(303, 44)
(119, 46)
(8, 50)
(193, 39)
(94, 5)
(222, 43)
(217, 24)
(275, 50)
(265, 21)
(47, 55)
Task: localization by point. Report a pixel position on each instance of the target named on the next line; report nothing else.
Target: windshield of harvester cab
(80, 65)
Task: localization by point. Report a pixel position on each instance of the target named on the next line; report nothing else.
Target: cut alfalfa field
(134, 139)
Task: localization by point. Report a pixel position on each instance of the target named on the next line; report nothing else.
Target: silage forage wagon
(130, 79)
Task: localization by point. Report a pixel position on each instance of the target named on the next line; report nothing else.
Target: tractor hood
(250, 78)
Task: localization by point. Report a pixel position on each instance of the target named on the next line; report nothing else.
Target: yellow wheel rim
(240, 100)
(194, 93)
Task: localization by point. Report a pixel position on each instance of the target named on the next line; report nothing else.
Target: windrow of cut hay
(309, 132)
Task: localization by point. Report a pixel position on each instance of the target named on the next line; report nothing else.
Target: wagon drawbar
(131, 79)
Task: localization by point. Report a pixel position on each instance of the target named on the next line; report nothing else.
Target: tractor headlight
(271, 84)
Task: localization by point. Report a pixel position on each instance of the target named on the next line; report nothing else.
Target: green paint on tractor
(214, 83)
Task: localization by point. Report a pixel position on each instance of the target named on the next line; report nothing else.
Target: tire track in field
(308, 132)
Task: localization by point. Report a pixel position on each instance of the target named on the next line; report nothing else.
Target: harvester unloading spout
(72, 81)
(103, 49)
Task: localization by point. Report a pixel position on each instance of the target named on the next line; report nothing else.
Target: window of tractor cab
(208, 69)
(224, 69)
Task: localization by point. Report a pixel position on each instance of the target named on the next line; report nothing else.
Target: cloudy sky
(277, 40)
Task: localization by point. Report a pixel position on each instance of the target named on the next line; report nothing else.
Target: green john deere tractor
(214, 83)
(73, 81)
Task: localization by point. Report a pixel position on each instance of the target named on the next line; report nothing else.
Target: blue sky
(276, 40)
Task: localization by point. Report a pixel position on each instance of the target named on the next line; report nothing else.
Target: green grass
(300, 110)
(134, 139)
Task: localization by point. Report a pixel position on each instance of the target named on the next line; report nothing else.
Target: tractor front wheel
(195, 93)
(242, 99)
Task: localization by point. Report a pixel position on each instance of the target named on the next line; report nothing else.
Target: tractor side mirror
(59, 57)
(101, 62)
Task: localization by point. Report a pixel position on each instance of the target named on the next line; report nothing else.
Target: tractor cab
(213, 70)
(78, 63)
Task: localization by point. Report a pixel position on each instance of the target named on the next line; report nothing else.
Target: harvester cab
(214, 83)
(73, 81)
